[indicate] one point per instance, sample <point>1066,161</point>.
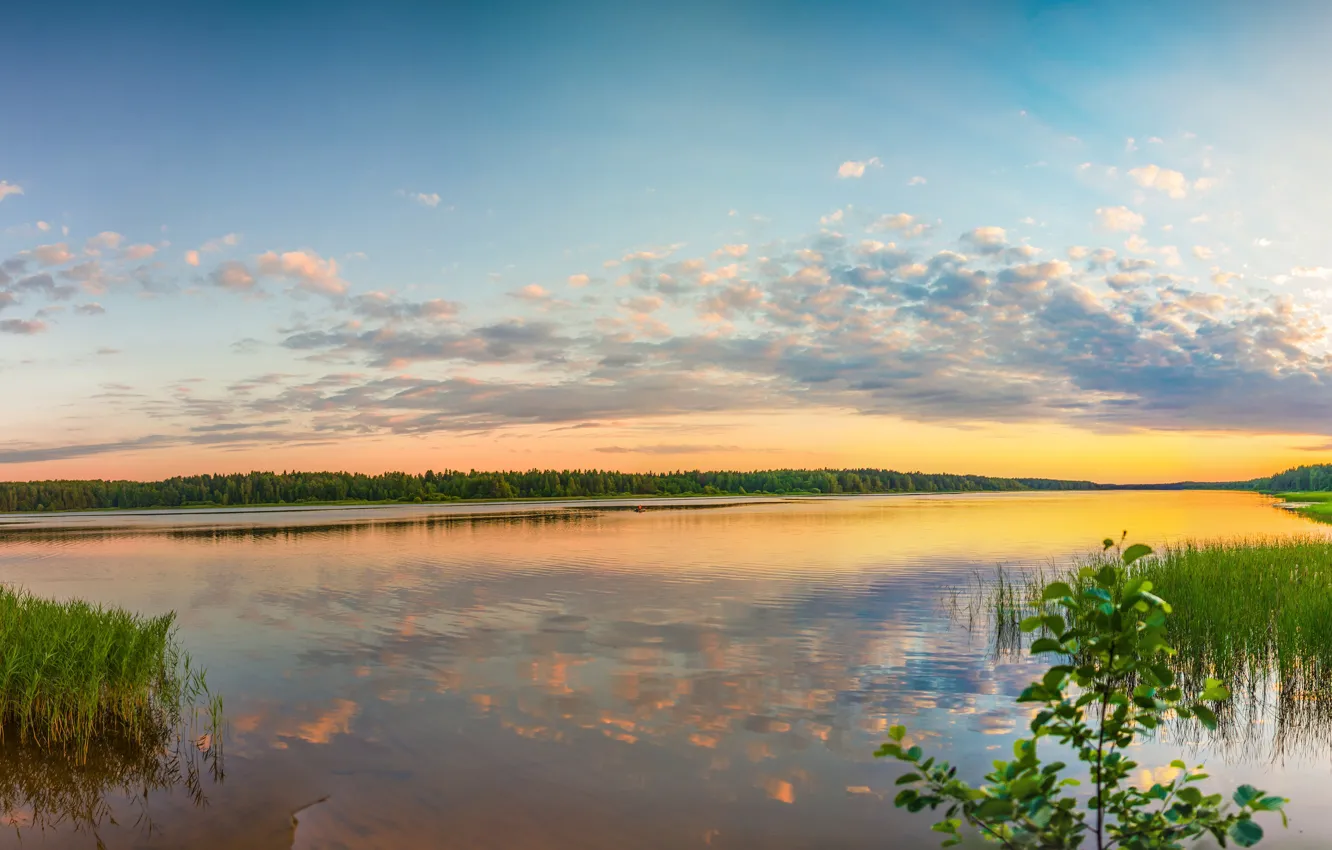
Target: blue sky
<point>284,186</point>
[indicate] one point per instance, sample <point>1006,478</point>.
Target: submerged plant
<point>1111,685</point>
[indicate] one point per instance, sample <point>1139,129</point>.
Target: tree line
<point>267,488</point>
<point>1316,476</point>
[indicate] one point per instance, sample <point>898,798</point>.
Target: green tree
<point>1110,686</point>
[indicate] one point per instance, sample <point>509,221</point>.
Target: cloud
<point>231,240</point>
<point>381,305</point>
<point>233,275</point>
<point>1319,272</point>
<point>107,240</point>
<point>986,240</point>
<point>1202,252</point>
<point>90,309</point>
<point>308,270</point>
<point>916,181</point>
<point>1173,183</point>
<point>900,222</point>
<point>7,299</point>
<point>140,252</point>
<point>431,199</point>
<point>192,257</point>
<point>21,327</point>
<point>53,255</point>
<point>7,189</point>
<point>579,280</point>
<point>854,168</point>
<point>1119,218</point>
<point>739,250</point>
<point>533,293</point>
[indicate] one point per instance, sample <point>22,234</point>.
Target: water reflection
<point>44,789</point>
<point>595,679</point>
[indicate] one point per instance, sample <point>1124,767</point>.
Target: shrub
<point>1110,686</point>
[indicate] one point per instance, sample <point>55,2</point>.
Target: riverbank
<point>1315,505</point>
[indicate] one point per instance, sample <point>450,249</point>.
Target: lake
<point>705,674</point>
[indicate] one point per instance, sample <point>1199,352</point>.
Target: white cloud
<point>916,181</point>
<point>1120,218</point>
<point>1136,244</point>
<point>1221,278</point>
<point>106,240</point>
<point>1262,242</point>
<point>986,240</point>
<point>1201,218</point>
<point>854,168</point>
<point>1130,145</point>
<point>1078,252</point>
<point>192,257</point>
<point>579,280</point>
<point>832,218</point>
<point>7,189</point>
<point>737,250</point>
<point>425,199</point>
<point>1155,140</point>
<point>311,272</point>
<point>1202,252</point>
<point>1202,184</point>
<point>901,222</point>
<point>43,226</point>
<point>1173,183</point>
<point>1312,271</point>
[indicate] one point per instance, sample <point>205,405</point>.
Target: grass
<point>1314,505</point>
<point>1255,613</point>
<point>72,673</point>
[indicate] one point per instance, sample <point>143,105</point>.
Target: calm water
<point>588,677</point>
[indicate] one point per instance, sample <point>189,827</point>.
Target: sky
<point>1066,239</point>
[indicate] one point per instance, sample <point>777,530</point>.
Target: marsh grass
<point>1255,613</point>
<point>72,673</point>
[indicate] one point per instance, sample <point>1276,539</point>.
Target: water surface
<point>583,676</point>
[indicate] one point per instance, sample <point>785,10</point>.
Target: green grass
<point>72,673</point>
<point>1254,613</point>
<point>1314,505</point>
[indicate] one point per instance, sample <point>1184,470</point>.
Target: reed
<point>72,673</point>
<point>1253,612</point>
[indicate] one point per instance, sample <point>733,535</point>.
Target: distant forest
<point>1310,477</point>
<point>266,488</point>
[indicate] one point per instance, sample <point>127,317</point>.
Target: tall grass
<point>1256,613</point>
<point>72,673</point>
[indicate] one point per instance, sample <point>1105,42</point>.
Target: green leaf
<point>1246,833</point>
<point>1106,544</point>
<point>1245,794</point>
<point>1046,645</point>
<point>907,778</point>
<point>905,797</point>
<point>1136,551</point>
<point>897,732</point>
<point>994,809</point>
<point>1056,590</point>
<point>1190,795</point>
<point>1205,716</point>
<point>1031,624</point>
<point>1271,804</point>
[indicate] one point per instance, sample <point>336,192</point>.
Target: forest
<point>273,488</point>
<point>1298,478</point>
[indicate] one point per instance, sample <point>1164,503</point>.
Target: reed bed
<point>72,673</point>
<point>1256,613</point>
